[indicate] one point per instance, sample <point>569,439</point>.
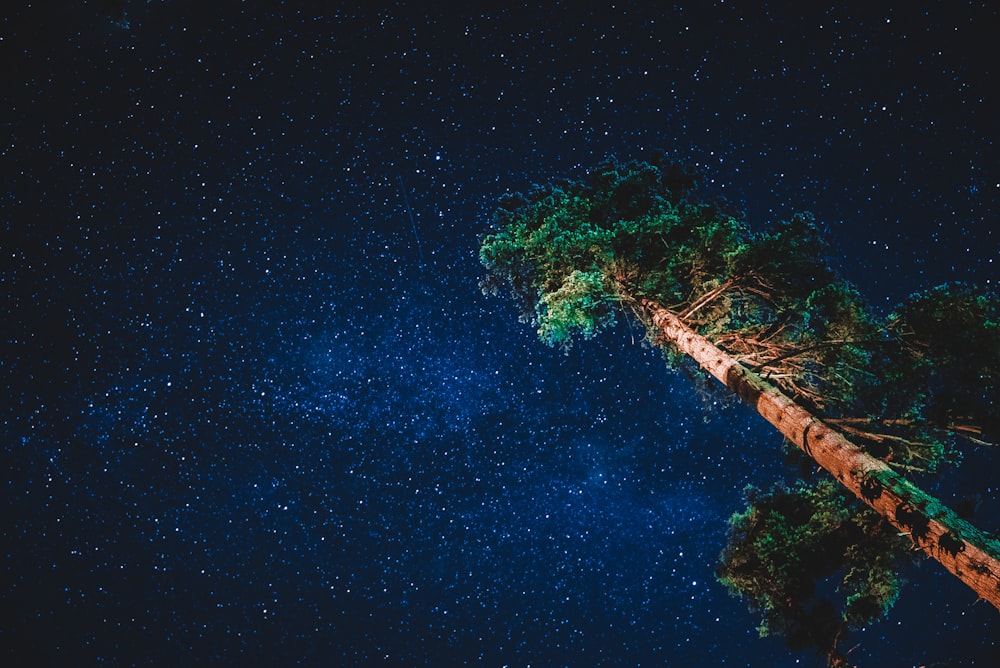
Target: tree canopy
<point>912,387</point>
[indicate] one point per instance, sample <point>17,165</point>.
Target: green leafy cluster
<point>629,224</point>
<point>581,303</point>
<point>813,561</point>
<point>950,351</point>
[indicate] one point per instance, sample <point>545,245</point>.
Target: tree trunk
<point>962,548</point>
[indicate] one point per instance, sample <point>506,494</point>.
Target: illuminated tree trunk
<point>962,548</point>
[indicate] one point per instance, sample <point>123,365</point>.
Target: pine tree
<point>873,400</point>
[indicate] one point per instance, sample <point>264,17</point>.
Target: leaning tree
<point>877,401</point>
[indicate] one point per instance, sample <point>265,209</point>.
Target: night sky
<point>256,410</point>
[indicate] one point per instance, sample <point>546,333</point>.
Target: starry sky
<point>256,410</point>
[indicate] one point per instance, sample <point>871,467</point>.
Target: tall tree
<point>875,401</point>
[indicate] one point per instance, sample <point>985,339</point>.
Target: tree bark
<point>961,548</point>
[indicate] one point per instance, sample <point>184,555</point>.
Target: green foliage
<point>790,258</point>
<point>929,374</point>
<point>836,312</point>
<point>813,561</point>
<point>839,327</point>
<point>581,303</point>
<point>952,336</point>
<point>563,249</point>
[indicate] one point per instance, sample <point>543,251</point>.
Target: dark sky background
<point>255,414</point>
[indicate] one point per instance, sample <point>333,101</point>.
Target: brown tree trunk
<point>962,548</point>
